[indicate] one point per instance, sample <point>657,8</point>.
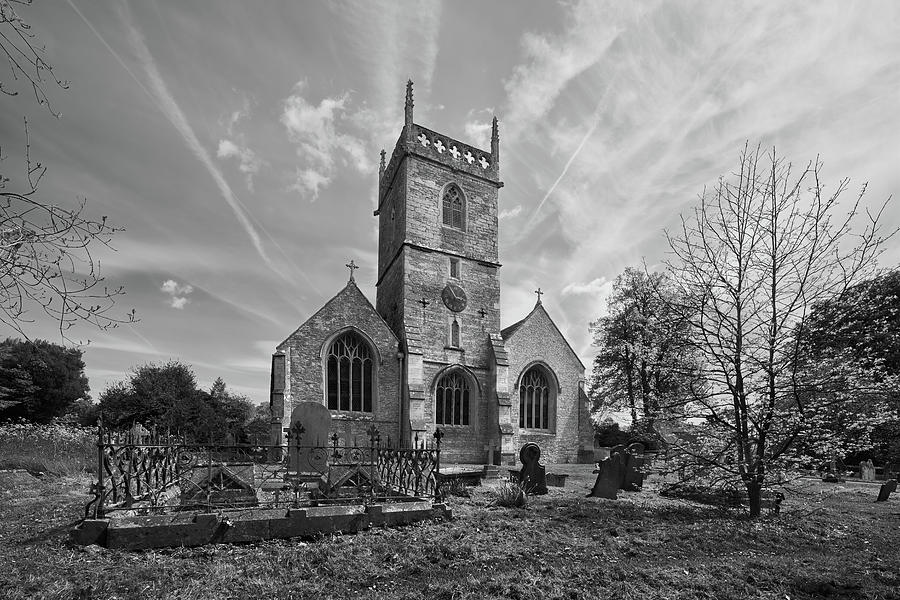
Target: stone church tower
<point>431,353</point>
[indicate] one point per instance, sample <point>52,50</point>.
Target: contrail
<point>163,99</point>
<point>565,170</point>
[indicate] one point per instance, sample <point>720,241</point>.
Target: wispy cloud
<point>234,145</point>
<point>167,104</point>
<point>177,292</point>
<point>509,213</point>
<point>319,131</point>
<point>393,41</point>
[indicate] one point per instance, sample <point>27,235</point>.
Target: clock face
<point>454,297</point>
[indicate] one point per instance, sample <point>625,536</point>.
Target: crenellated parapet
<point>437,147</point>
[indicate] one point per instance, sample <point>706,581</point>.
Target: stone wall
<point>537,339</point>
<point>304,350</point>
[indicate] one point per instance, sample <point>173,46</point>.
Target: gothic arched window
<point>453,207</point>
<point>534,399</point>
<point>348,374</point>
<point>451,401</point>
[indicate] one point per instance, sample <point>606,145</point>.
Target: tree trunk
<point>754,493</point>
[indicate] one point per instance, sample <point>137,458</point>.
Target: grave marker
<point>310,424</point>
<point>533,476</point>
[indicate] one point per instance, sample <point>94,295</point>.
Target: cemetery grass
<point>830,541</point>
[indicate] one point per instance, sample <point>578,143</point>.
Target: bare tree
<point>760,250</point>
<point>46,259</point>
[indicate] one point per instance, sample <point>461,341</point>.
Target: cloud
<point>249,163</point>
<point>600,286</point>
<point>392,41</point>
<point>178,293</point>
<point>551,61</point>
<point>166,103</point>
<point>234,144</point>
<point>478,130</point>
<point>509,213</point>
<point>319,132</point>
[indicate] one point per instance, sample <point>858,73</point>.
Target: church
<point>430,353</point>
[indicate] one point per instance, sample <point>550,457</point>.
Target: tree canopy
<point>643,362</point>
<point>166,395</point>
<point>39,380</point>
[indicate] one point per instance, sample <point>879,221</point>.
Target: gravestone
<point>308,441</point>
<point>633,476</point>
<point>886,488</point>
<point>533,476</point>
<point>610,475</point>
<point>867,470</point>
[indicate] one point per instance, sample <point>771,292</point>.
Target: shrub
<point>458,488</point>
<point>510,495</point>
<point>58,448</point>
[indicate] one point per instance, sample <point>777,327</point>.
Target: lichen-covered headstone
<point>867,470</point>
<point>886,488</point>
<point>308,439</point>
<point>610,475</point>
<point>533,476</point>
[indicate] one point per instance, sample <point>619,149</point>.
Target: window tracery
<point>453,207</point>
<point>534,399</point>
<point>349,374</point>
<point>452,399</point>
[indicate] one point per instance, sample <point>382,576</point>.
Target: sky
<point>238,144</point>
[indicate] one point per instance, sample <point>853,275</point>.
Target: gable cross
<point>539,294</point>
<point>352,266</point>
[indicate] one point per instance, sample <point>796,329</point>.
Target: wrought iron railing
<point>154,471</point>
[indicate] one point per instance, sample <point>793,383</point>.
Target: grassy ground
<point>830,540</point>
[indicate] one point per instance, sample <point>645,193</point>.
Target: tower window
<point>534,400</point>
<point>453,207</point>
<point>348,374</point>
<point>454,333</point>
<point>454,268</point>
<point>451,402</point>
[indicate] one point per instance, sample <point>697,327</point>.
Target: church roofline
<point>350,283</point>
<point>509,331</point>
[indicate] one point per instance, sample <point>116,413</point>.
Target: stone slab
<point>159,531</point>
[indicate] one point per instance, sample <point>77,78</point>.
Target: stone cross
<point>539,294</point>
<point>424,304</point>
<point>352,266</point>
